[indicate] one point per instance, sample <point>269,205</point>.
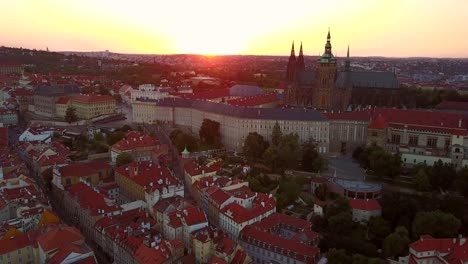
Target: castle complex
<point>328,89</point>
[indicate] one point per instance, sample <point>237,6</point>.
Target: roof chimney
<point>459,122</point>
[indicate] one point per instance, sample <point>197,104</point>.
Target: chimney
<point>460,122</point>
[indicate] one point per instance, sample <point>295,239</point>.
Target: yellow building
<point>87,106</point>
<point>91,105</point>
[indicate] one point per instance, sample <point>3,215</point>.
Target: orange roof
<point>48,218</point>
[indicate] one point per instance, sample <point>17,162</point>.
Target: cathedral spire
<point>293,53</point>
<point>348,61</point>
<point>291,70</point>
<point>300,60</point>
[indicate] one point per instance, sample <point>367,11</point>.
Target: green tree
<point>98,136</point>
<point>289,151</point>
<point>396,244</point>
<point>340,205</point>
<point>338,256</point>
<point>114,137</point>
<point>321,192</point>
<point>311,159</point>
<point>183,140</point>
<point>441,175</point>
<point>276,134</point>
<point>461,182</point>
<point>421,180</point>
<point>341,223</point>
<point>70,115</point>
<point>290,189</point>
<point>123,158</point>
<point>126,128</point>
<point>254,146</point>
<point>210,133</point>
<point>435,223</point>
<point>378,229</point>
<point>272,157</point>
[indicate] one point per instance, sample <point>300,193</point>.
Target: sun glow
<point>371,27</point>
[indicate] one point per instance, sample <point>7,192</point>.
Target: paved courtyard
<point>345,167</point>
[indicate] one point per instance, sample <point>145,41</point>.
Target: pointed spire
<point>328,36</point>
<point>291,70</point>
<point>348,61</point>
<point>300,61</point>
<point>293,53</point>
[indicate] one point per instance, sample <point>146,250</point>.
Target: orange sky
<point>398,28</point>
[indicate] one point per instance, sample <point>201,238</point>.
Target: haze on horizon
<point>398,28</point>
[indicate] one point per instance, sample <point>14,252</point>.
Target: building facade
<point>237,122</point>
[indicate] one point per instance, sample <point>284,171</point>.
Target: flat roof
<point>358,186</point>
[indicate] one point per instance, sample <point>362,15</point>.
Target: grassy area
<point>399,181</point>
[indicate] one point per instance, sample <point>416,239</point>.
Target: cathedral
<point>328,89</point>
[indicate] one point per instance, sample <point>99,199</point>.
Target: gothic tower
<point>300,66</point>
<point>326,74</point>
<point>291,70</point>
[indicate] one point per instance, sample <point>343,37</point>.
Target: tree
<point>311,159</point>
<point>210,133</point>
<point>183,140</point>
<point>70,115</point>
<point>338,256</point>
<point>289,151</point>
<point>123,158</point>
<point>290,189</point>
<point>340,205</point>
<point>378,229</point>
<point>421,180</point>
<point>396,244</point>
<point>126,128</point>
<point>321,192</point>
<point>276,134</point>
<point>341,223</point>
<point>254,146</point>
<point>441,175</point>
<point>114,137</point>
<point>98,136</point>
<point>272,157</point>
<point>436,223</point>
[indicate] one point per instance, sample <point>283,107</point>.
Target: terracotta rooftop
<point>365,204</point>
<point>135,140</point>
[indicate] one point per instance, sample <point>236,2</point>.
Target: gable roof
<point>365,204</point>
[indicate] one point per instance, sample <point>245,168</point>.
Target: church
<point>327,89</point>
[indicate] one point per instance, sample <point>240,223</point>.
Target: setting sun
<point>237,27</point>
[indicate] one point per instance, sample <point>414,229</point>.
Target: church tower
<point>326,78</point>
<point>291,70</point>
<point>300,66</point>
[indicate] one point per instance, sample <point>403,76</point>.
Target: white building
<point>364,209</point>
<point>148,92</point>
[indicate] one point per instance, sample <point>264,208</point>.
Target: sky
<point>391,28</point>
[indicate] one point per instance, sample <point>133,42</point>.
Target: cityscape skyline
<point>371,28</point>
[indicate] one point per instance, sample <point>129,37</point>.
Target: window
<point>447,143</point>
<point>396,139</point>
<point>374,134</point>
<point>432,142</point>
<point>413,140</point>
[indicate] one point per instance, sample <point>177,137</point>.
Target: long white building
<point>235,122</point>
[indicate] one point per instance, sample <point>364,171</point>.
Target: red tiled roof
<point>148,175</point>
<point>379,123</point>
<point>220,196</point>
<point>239,214</point>
<point>452,250</point>
<point>83,169</point>
<point>14,243</point>
<point>452,105</point>
<point>365,204</point>
<point>90,199</point>
<point>135,140</point>
<point>57,237</point>
<point>279,244</point>
<point>194,169</point>
<point>92,98</point>
<point>63,100</point>
<point>153,255</point>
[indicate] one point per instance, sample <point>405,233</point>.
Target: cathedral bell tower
<point>326,77</point>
